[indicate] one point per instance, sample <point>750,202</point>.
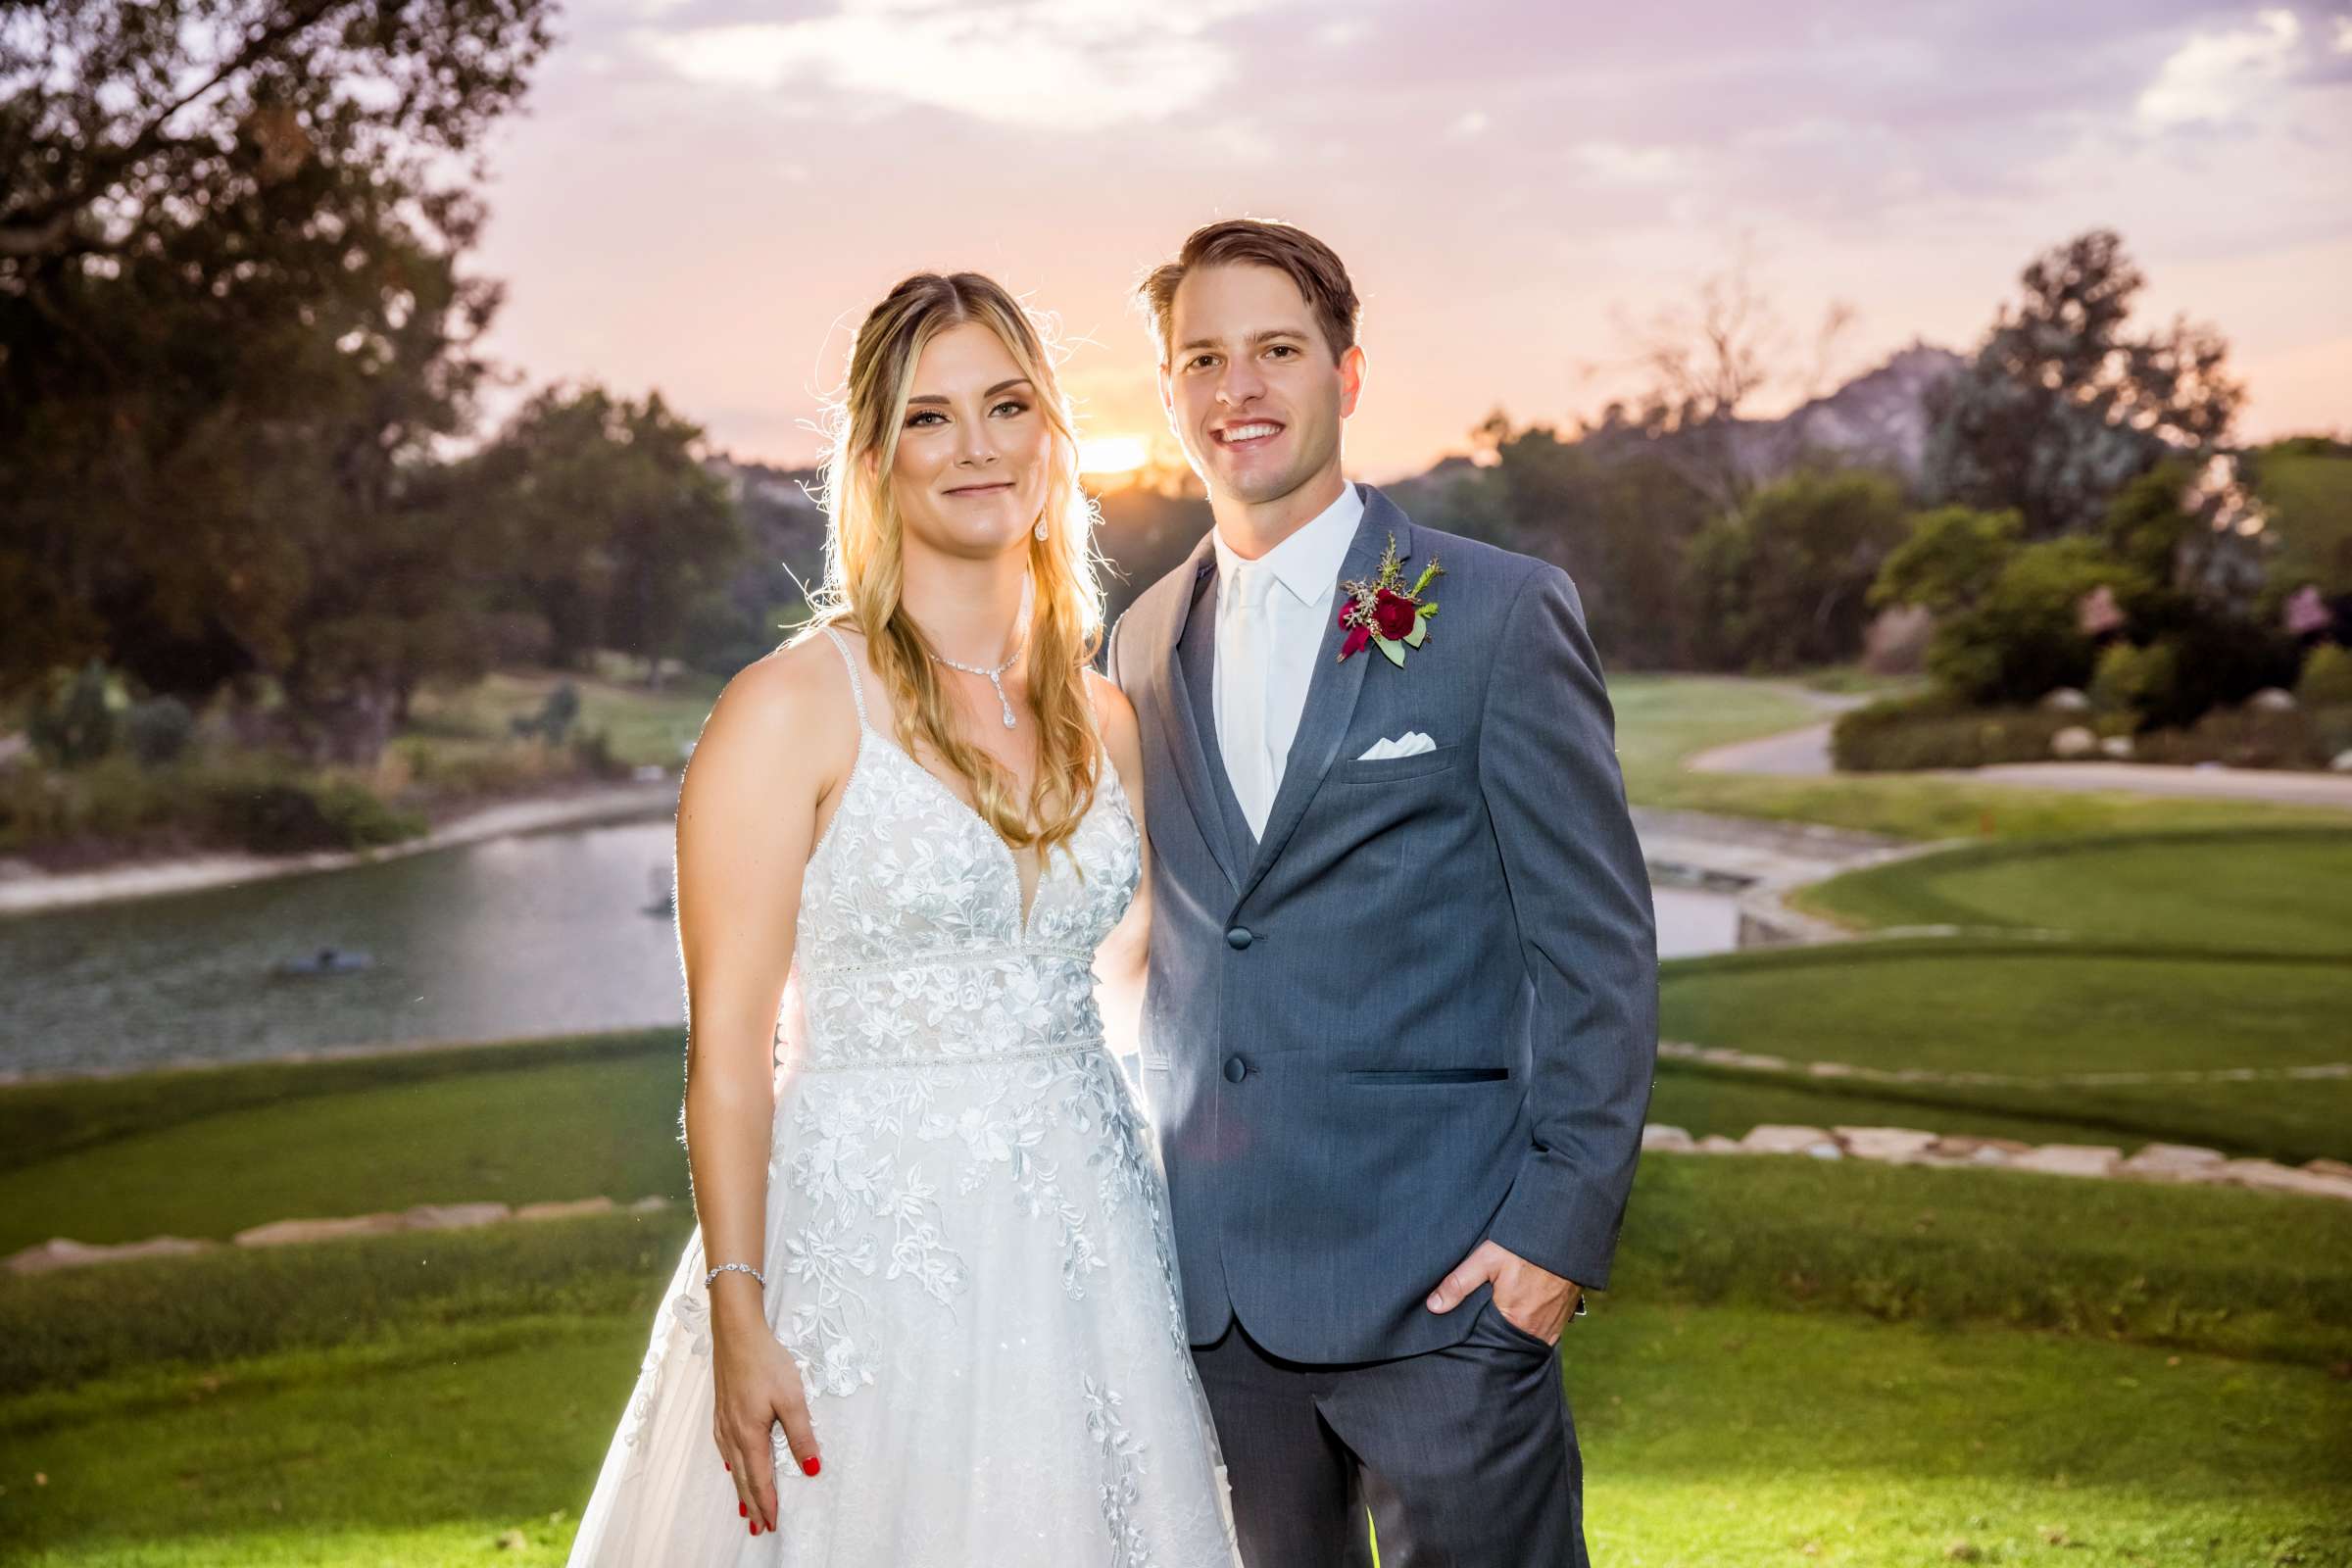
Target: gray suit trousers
<point>1463,1458</point>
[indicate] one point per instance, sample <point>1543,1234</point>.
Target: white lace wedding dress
<point>968,1249</point>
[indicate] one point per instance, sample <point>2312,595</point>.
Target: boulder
<point>2118,747</point>
<point>566,1211</point>
<point>456,1216</point>
<point>2065,699</point>
<point>1969,1147</point>
<point>2341,763</point>
<point>2074,741</point>
<point>1899,1144</point>
<point>2271,1177</point>
<point>1717,1143</point>
<point>1774,1137</point>
<point>1674,1140</point>
<point>61,1252</point>
<point>2069,1160</point>
<point>2327,1167</point>
<point>651,1204</point>
<point>2174,1163</point>
<point>286,1232</point>
<point>2271,700</point>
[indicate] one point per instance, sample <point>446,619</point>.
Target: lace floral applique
<point>1122,1475</point>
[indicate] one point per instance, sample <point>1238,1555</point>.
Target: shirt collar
<point>1307,562</point>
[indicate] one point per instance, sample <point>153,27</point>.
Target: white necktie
<point>1248,762</point>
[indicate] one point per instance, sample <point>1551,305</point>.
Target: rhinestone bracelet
<point>740,1268</point>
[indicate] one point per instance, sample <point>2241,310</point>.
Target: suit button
<point>1238,937</point>
<point>1236,1069</point>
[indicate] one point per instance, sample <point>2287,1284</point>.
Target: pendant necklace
<point>993,676</point>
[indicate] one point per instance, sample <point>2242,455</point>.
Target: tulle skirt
<point>971,1262</point>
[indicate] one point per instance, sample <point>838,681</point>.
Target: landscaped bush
<point>2326,679</point>
<point>286,817</point>
<point>2241,737</point>
<point>75,722</point>
<point>158,729</point>
<point>1937,730</point>
<point>2131,680</point>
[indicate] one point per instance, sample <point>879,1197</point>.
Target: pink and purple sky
<point>706,195</point>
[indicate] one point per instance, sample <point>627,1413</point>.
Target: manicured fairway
<point>1711,1436</point>
<point>2264,891</point>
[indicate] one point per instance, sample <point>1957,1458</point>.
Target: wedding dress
<point>969,1248</point>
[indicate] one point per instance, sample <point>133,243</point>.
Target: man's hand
<point>1531,1298</point>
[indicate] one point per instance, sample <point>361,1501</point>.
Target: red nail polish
<point>755,1527</point>
<point>810,1465</point>
<point>730,1464</point>
<point>742,1511</point>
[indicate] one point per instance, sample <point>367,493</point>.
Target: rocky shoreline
<point>25,890</point>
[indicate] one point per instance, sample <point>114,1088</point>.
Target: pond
<point>544,933</point>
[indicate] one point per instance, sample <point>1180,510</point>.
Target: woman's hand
<point>758,1384</point>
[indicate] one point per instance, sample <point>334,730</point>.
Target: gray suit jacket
<point>1422,1011</point>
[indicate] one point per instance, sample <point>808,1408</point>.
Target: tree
<point>233,329</point>
<point>2063,405</point>
<point>1786,582</point>
<point>610,525</point>
<point>1704,364</point>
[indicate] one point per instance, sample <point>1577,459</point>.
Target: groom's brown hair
<point>1314,267</point>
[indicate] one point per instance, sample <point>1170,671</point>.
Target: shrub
<point>158,729</point>
<point>2239,737</point>
<point>2134,680</point>
<point>554,717</point>
<point>1938,730</point>
<point>277,816</point>
<point>592,748</point>
<point>2327,678</point>
<point>76,724</point>
<point>2020,638</point>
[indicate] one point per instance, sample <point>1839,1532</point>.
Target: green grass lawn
<point>1954,1007</point>
<point>1715,1434</point>
<point>643,726</point>
<point>1662,719</point>
<point>2285,890</point>
<point>1870,1361</point>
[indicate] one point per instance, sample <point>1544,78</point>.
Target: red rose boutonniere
<point>1386,614</point>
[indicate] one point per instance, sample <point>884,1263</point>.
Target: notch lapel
<point>1331,689</point>
<point>1178,717</point>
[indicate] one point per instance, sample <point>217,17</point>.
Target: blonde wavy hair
<point>863,561</point>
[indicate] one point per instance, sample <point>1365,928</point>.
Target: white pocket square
<point>1413,743</point>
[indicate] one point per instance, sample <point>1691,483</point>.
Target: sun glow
<point>1112,453</point>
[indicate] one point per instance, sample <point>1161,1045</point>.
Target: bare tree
<point>1707,360</point>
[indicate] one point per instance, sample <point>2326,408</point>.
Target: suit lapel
<point>1331,689</point>
<point>1182,719</point>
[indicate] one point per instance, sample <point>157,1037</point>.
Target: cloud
<point>1044,63</point>
<point>2217,75</point>
<point>1620,163</point>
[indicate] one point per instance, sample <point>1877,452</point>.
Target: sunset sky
<point>706,195</point>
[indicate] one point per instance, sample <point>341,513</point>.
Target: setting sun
<point>1112,453</point>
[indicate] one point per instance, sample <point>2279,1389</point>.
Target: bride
<point>930,1314</point>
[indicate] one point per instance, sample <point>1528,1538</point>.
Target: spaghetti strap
<point>857,687</point>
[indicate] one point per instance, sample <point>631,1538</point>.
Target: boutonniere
<point>1386,614</point>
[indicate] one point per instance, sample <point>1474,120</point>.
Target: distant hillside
<point>1878,419</point>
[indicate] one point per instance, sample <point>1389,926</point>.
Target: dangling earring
<point>1041,528</point>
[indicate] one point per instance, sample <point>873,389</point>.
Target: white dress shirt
<point>1271,612</point>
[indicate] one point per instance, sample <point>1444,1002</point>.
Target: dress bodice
<point>912,945</point>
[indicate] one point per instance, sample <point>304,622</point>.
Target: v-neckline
<point>1024,904</point>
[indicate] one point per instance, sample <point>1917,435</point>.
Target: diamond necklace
<point>994,680</point>
<point>1003,700</point>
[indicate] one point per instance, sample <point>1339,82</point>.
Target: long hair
<point>865,563</point>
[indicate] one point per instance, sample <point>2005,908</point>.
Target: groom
<point>1402,1001</point>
